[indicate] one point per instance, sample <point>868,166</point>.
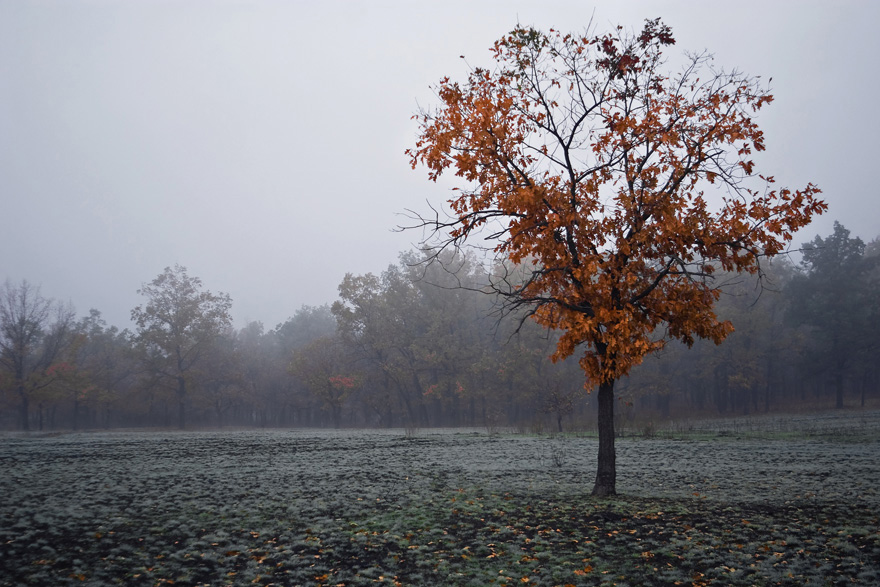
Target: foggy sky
<point>261,144</point>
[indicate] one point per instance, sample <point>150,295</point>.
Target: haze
<point>261,144</point>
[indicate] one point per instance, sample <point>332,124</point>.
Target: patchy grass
<point>439,508</point>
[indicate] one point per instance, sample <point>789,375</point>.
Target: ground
<point>758,501</point>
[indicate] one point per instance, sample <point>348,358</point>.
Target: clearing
<point>760,501</point>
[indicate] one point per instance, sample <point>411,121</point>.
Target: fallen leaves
<point>548,536</point>
<point>584,571</point>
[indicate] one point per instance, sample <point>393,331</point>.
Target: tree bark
<point>336,410</point>
<point>24,410</point>
<point>838,389</point>
<point>181,402</point>
<point>606,473</point>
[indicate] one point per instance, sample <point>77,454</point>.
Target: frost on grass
<point>442,508</point>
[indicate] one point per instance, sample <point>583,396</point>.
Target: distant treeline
<point>422,345</point>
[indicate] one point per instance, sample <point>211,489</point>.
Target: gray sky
<point>261,144</point>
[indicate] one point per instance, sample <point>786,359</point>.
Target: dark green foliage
<point>835,296</point>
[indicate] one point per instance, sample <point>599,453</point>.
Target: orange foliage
<point>587,165</point>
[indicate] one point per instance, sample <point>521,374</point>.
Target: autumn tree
<point>741,366</point>
<point>586,164</point>
<point>34,333</point>
<point>380,321</point>
<point>101,364</point>
<point>453,335</point>
<point>322,367</point>
<point>411,331</point>
<point>176,327</point>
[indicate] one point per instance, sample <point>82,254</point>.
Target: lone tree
<point>585,165</point>
<point>176,328</point>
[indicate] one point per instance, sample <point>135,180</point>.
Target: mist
<point>261,145</point>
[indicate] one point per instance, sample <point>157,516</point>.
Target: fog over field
<point>261,144</point>
<point>201,202</point>
<point>224,361</point>
<point>736,502</point>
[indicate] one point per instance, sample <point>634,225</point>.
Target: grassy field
<point>761,501</point>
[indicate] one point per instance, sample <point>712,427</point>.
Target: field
<point>772,501</point>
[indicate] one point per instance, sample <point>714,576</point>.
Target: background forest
<point>420,345</point>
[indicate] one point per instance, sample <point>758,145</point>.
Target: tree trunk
<point>606,473</point>
<point>407,404</point>
<point>664,402</point>
<point>181,406</point>
<point>838,389</point>
<point>721,396</point>
<point>24,411</point>
<point>337,415</point>
<point>839,373</point>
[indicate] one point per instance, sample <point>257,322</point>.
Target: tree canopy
<point>837,301</point>
<point>585,162</point>
<point>425,352</point>
<point>34,334</point>
<point>177,325</point>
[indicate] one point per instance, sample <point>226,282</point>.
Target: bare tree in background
<point>34,332</point>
